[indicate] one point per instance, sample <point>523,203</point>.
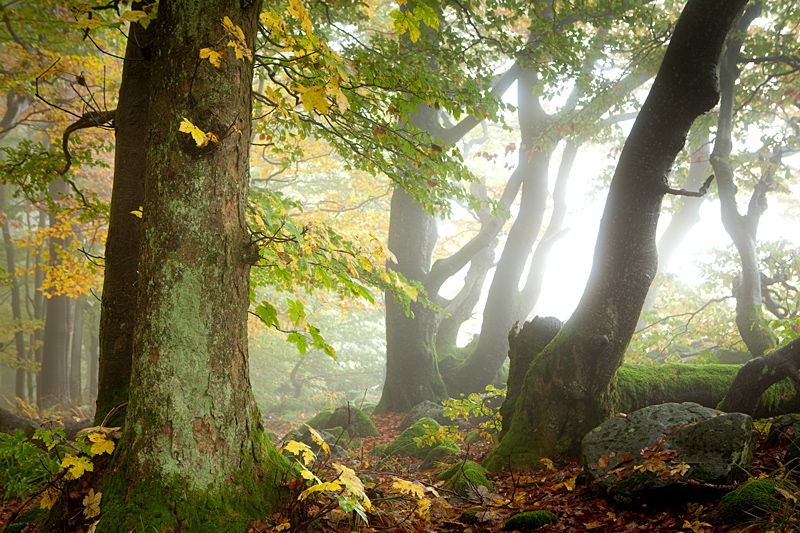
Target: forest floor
<point>419,502</point>
<point>553,489</point>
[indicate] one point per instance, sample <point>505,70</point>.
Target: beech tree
<point>194,455</point>
<point>566,390</point>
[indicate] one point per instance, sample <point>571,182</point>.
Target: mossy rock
<point>404,444</point>
<point>379,450</point>
<point>340,434</point>
<point>472,437</point>
<point>462,478</point>
<point>530,520</point>
<point>439,454</point>
<point>755,498</point>
<point>793,454</point>
<point>356,421</point>
<point>320,420</point>
<point>291,405</point>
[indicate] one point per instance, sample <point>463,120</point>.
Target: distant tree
<point>566,390</point>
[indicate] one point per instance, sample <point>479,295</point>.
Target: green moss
<point>404,444</point>
<point>153,503</point>
<point>439,454</point>
<point>379,450</point>
<point>752,499</point>
<point>320,420</point>
<point>464,477</point>
<point>530,520</point>
<point>639,386</point>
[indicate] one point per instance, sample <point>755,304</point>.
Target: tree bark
<point>118,308</point>
<point>412,373</point>
<point>54,379</point>
<point>76,353</point>
<point>684,219</point>
<point>568,389</point>
<point>502,302</point>
<point>741,228</point>
<point>16,300</point>
<point>194,455</point>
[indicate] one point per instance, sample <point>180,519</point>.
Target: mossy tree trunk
<point>194,455</point>
<point>118,307</point>
<point>568,389</point>
<point>742,228</point>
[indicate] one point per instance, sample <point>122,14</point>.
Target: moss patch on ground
<point>463,478</point>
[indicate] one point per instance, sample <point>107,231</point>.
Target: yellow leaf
<point>548,464</point>
<point>319,440</point>
<point>212,55</point>
<point>87,24</point>
<point>91,504</point>
<point>200,137</point>
<point>237,41</point>
<point>281,527</point>
<point>134,15</point>
<point>137,212</point>
<point>314,100</point>
<point>77,466</point>
<point>325,485</point>
<point>300,448</point>
<point>101,444</point>
<point>298,11</point>
<point>49,498</point>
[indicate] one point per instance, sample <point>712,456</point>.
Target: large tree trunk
<point>685,218</point>
<point>16,300</point>
<point>741,228</point>
<point>194,455</point>
<point>412,374</point>
<point>124,229</point>
<point>76,353</point>
<point>502,303</point>
<point>568,389</point>
<point>54,381</point>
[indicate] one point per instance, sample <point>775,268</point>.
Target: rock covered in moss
<point>354,420</point>
<point>405,444</point>
<point>320,420</point>
<point>428,409</point>
<point>444,453</point>
<point>711,446</point>
<point>530,520</point>
<point>758,497</point>
<point>463,478</point>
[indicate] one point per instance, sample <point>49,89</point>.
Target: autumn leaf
<point>316,437</point>
<point>298,11</point>
<point>200,137</point>
<point>314,99</point>
<point>49,498</point>
<point>101,444</point>
<point>137,212</point>
<point>212,55</point>
<point>77,466</point>
<point>237,40</point>
<point>300,448</point>
<point>91,503</point>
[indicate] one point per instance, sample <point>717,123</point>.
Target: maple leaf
<point>200,137</point>
<point>49,498</point>
<point>237,40</point>
<point>101,444</point>
<point>77,465</point>
<point>300,448</point>
<point>91,503</point>
<point>314,99</point>
<point>316,437</point>
<point>212,55</point>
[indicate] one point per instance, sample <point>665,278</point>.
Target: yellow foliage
<point>101,444</point>
<point>91,503</point>
<point>237,42</point>
<point>200,137</point>
<point>76,465</point>
<point>49,498</point>
<point>300,448</point>
<point>212,55</point>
